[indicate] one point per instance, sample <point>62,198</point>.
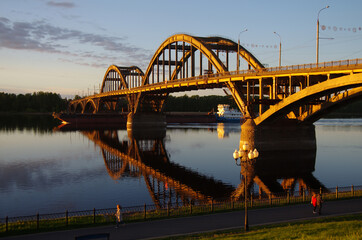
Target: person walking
<point>319,202</point>
<point>314,202</point>
<point>119,217</point>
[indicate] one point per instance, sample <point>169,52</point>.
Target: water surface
<point>46,171</point>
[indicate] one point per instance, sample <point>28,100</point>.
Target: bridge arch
<point>338,101</point>
<point>175,58</point>
<point>115,166</point>
<point>77,106</point>
<point>90,106</point>
<point>118,78</point>
<point>316,91</point>
<point>207,46</point>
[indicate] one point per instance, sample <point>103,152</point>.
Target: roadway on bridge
<point>195,224</point>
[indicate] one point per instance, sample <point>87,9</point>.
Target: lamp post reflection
<point>247,156</point>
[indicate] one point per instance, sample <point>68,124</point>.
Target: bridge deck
<point>216,80</point>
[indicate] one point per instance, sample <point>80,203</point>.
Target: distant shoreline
<point>26,113</point>
<point>328,116</point>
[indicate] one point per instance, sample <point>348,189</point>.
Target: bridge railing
<point>50,222</point>
<point>341,63</point>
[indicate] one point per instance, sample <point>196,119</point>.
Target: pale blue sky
<point>65,46</point>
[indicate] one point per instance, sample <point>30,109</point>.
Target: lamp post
<point>246,156</point>
<point>238,61</point>
<point>317,48</point>
<point>280,49</point>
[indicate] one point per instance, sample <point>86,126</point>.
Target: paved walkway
<point>219,221</point>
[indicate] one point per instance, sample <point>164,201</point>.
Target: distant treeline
<point>35,102</point>
<point>351,110</point>
<point>196,103</point>
<point>52,102</point>
<point>207,103</point>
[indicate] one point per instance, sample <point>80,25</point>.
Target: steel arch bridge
<point>302,93</point>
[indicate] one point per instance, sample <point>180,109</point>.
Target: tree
<point>36,102</point>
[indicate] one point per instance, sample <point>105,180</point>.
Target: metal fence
<point>75,219</point>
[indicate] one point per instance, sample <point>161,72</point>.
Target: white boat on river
<point>227,114</point>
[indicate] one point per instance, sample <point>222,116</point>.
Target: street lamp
<point>280,48</point>
<point>238,61</point>
<point>317,50</point>
<point>245,155</point>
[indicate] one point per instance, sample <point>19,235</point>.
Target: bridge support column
<point>274,91</point>
<point>248,129</point>
<point>261,107</point>
<point>146,120</point>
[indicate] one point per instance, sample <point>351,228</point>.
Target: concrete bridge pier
<point>248,130</point>
<point>146,121</point>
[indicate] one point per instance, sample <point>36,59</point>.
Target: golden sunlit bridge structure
<point>298,93</point>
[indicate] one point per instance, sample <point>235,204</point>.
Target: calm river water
<point>45,170</point>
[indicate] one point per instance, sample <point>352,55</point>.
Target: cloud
<point>19,36</point>
<point>43,37</point>
<point>61,4</point>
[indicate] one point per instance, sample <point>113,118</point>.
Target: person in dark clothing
<point>319,203</point>
<point>119,218</point>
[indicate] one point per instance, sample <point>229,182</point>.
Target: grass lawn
<point>345,227</point>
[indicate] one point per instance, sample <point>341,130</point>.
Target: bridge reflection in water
<point>144,155</point>
<point>286,163</point>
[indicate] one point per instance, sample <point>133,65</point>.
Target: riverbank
<point>121,118</point>
<point>174,227</point>
<point>99,217</point>
<point>350,115</point>
<point>26,113</point>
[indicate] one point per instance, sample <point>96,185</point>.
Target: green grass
<point>344,227</point>
<point>26,227</point>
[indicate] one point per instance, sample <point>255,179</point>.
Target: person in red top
<point>314,202</point>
